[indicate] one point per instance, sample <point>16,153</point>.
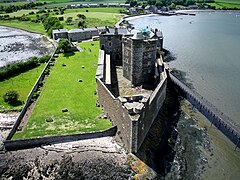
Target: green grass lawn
<point>21,12</point>
<point>22,83</point>
<point>13,3</point>
<point>219,4</point>
<point>103,17</point>
<point>62,90</point>
<point>25,25</point>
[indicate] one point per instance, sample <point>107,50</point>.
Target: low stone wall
<point>11,145</point>
<point>216,117</point>
<point>28,101</point>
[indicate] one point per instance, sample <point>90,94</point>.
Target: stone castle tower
<point>139,56</point>
<point>136,51</point>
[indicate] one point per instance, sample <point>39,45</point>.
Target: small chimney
<point>116,31</point>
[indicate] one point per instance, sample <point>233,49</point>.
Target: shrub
<point>44,59</point>
<point>14,69</point>
<point>11,97</point>
<point>61,18</point>
<point>64,45</point>
<point>31,13</point>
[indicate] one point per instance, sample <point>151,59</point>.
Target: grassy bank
<point>22,83</point>
<point>63,90</point>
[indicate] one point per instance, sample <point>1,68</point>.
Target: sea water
<point>207,48</point>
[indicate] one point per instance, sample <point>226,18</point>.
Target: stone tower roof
<point>138,35</point>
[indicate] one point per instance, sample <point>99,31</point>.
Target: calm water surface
<point>207,48</point>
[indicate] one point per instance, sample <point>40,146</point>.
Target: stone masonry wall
<point>148,60</point>
<point>138,60</point>
<point>112,44</point>
<point>118,115</point>
<point>127,60</point>
<point>152,107</point>
<point>137,54</point>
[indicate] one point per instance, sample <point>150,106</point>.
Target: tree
<point>81,16</point>
<point>49,22</point>
<point>11,97</point>
<point>81,24</point>
<point>133,3</point>
<point>57,25</point>
<point>64,45</point>
<point>69,20</point>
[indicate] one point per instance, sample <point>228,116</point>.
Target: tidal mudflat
<point>19,45</point>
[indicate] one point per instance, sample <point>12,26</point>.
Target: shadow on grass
<point>68,54</point>
<point>17,103</point>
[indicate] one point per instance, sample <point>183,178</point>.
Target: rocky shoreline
<point>100,158</point>
<point>7,120</point>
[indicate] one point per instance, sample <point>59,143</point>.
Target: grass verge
<point>63,90</point>
<point>21,83</point>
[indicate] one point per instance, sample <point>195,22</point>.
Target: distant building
<point>68,6</point>
<point>151,9</point>
<point>125,5</point>
<point>60,33</point>
<point>192,6</point>
<point>77,35</point>
<point>113,4</point>
<point>132,10</point>
<point>93,5</point>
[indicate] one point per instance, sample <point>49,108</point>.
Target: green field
<point>63,90</point>
<point>25,25</point>
<point>22,83</point>
<point>95,16</point>
<point>219,4</point>
<point>21,12</point>
<point>13,3</point>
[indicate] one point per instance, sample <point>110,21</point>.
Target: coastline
<point>222,159</point>
<point>139,16</point>
<point>205,10</point>
<point>21,29</point>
